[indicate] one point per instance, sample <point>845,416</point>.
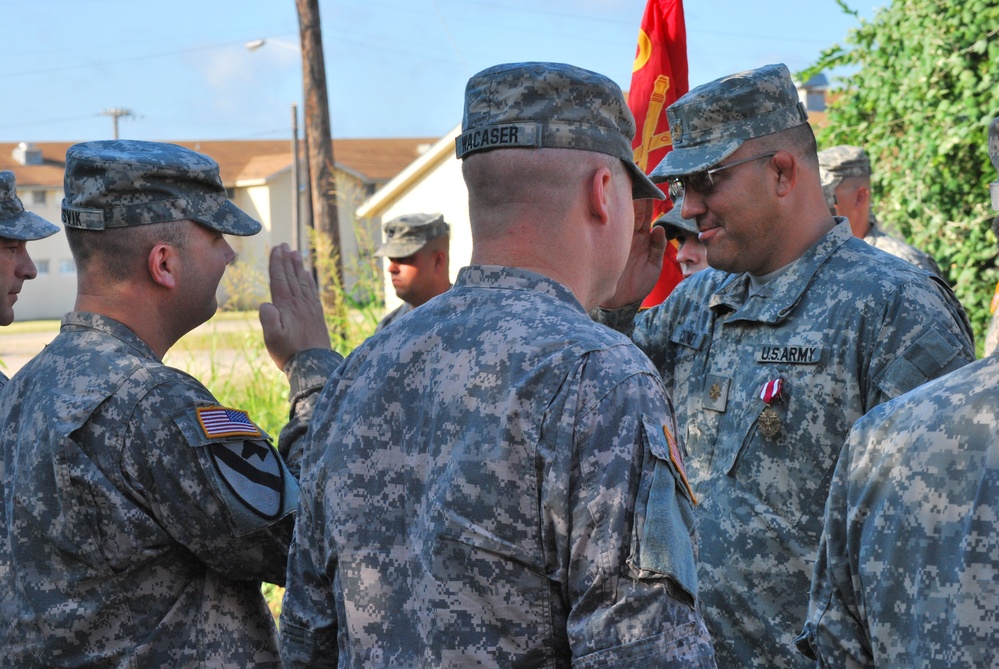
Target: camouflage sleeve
<point>833,633</point>
<point>622,538</point>
<point>224,493</point>
<point>307,373</point>
<point>308,613</point>
<point>923,334</point>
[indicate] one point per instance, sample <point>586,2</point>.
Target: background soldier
<point>139,515</point>
<point>798,330</point>
<point>17,227</point>
<point>845,172</point>
<point>907,570</point>
<point>690,252</point>
<point>416,246</point>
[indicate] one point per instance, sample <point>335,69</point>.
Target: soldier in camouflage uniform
<point>139,516</point>
<point>417,249</point>
<point>499,483</point>
<point>845,172</point>
<point>908,567</point>
<point>797,330</point>
<point>17,227</point>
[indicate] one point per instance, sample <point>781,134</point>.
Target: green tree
<point>922,89</point>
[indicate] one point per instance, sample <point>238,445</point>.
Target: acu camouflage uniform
<point>845,327</point>
<point>498,482</point>
<point>18,224</point>
<point>130,536</point>
<point>495,487</point>
<point>908,567</point>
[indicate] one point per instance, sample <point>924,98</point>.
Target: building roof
<point>374,160</point>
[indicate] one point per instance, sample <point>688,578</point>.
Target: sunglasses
<point>702,181</point>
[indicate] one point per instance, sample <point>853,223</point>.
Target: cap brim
<point>231,220</point>
<point>680,162</point>
<point>398,250</point>
<point>642,187</point>
<point>27,226</point>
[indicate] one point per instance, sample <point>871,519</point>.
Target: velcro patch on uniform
<point>253,473</point>
<point>677,459</point>
<point>795,355</point>
<point>222,422</point>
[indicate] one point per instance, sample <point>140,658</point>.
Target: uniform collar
<point>777,299</point>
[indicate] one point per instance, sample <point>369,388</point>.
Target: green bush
<point>922,87</point>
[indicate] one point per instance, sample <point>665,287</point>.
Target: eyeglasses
<point>702,181</point>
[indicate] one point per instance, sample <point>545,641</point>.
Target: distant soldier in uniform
<point>845,172</point>
<point>908,569</point>
<point>416,246</point>
<point>17,227</point>
<point>139,515</point>
<point>498,483</point>
<point>797,330</point>
<point>690,252</point>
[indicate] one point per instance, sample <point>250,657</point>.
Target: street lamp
<point>296,189</point>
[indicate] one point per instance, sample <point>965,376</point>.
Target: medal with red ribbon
<point>769,421</point>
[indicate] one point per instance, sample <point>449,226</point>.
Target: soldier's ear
<point>163,264</point>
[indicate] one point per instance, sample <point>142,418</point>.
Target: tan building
<point>258,176</point>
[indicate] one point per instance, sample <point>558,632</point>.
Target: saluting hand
<point>293,321</point>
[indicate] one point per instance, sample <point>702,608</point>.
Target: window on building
<point>67,267</point>
<point>39,197</point>
<point>42,266</point>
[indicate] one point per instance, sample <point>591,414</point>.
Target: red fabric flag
<point>658,78</point>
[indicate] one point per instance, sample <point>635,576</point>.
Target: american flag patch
<point>677,458</point>
<point>223,422</point>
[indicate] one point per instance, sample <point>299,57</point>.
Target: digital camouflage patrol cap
<point>405,235</point>
<point>533,105</point>
<point>994,157</point>
<point>121,183</point>
<point>712,121</point>
<point>673,222</point>
<point>15,222</point>
<point>841,162</point>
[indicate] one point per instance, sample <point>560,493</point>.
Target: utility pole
<point>115,113</point>
<point>318,133</point>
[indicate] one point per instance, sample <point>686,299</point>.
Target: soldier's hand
<point>648,247</point>
<point>293,320</point>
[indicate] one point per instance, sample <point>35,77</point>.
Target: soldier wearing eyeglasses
<point>797,330</point>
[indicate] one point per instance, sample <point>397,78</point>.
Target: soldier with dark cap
<point>416,246</point>
<point>690,253</point>
<point>845,172</point>
<point>908,567</point>
<point>139,515</point>
<point>17,227</point>
<point>498,482</point>
<point>797,330</point>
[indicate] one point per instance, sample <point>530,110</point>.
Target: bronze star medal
<point>769,421</point>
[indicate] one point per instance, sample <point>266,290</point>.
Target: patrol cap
<point>713,120</point>
<point>122,183</point>
<point>533,105</point>
<point>994,157</point>
<point>405,235</point>
<point>15,222</point>
<point>673,222</point>
<point>841,162</point>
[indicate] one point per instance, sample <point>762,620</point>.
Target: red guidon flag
<point>658,78</point>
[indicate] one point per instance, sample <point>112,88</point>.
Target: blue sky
<point>395,68</point>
